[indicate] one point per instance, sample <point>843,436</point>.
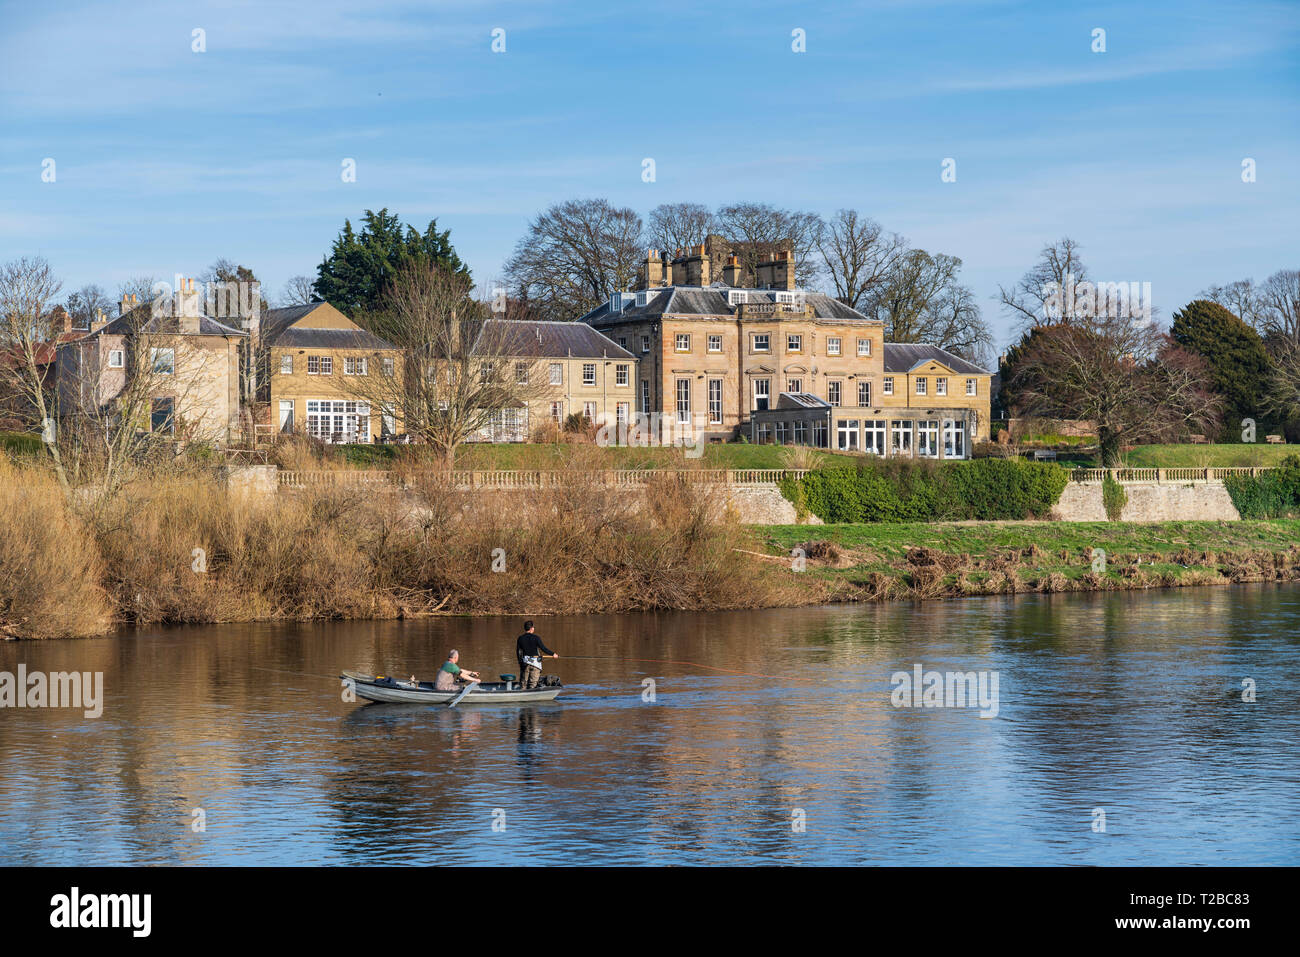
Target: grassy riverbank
<point>883,561</point>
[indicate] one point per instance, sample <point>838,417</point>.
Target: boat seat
<point>507,677</point>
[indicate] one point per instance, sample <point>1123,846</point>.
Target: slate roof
<point>711,301</point>
<point>547,340</point>
<point>278,329</point>
<point>903,357</point>
<point>308,338</point>
<point>141,320</point>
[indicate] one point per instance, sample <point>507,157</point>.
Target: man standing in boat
<point>529,651</point>
<point>450,674</point>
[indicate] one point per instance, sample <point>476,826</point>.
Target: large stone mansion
<point>779,364</point>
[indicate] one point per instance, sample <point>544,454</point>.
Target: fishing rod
<point>664,661</point>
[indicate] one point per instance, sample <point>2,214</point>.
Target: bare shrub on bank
<point>49,568</point>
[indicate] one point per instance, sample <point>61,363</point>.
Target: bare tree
<point>1029,301</point>
<point>674,226</point>
<point>754,229</point>
<point>858,255</point>
<point>86,304</point>
<point>1241,298</point>
<point>298,291</point>
<point>1131,380</point>
<point>143,288</point>
<point>574,256</point>
<point>27,343</point>
<point>952,320</point>
<point>1280,306</point>
<point>919,299</point>
<point>459,371</point>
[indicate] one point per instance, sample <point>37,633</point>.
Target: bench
<point>1044,455</point>
<point>1275,440</point>
<point>1200,440</point>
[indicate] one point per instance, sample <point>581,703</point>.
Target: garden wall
<point>1149,502</point>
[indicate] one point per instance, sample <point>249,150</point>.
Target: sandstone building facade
<point>716,356</point>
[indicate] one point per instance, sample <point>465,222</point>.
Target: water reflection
<point>1127,702</point>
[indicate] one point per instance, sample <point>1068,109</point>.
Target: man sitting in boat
<point>450,675</point>
<point>529,651</point>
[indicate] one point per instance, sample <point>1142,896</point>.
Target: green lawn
<point>891,541</point>
<point>20,443</point>
<point>1189,456</point>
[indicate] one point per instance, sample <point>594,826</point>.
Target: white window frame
<point>682,342</point>
<point>765,338</point>
<point>557,373</point>
<point>970,387</point>
<point>794,385</point>
<point>846,434</point>
<point>793,342</point>
<point>621,375</point>
<point>864,385</point>
<point>645,343</point>
<point>941,385</point>
<point>354,365</point>
<point>864,347</point>
<point>121,359</point>
<point>715,343</point>
<point>887,385</point>
<point>874,436</point>
<point>764,393</point>
<point>286,364</point>
<point>589,373</point>
<point>833,345</point>
<point>835,393</point>
<point>921,385</point>
<point>715,401</point>
<point>159,353</point>
<point>900,437</point>
<point>682,391</point>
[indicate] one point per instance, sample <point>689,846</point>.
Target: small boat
<point>401,691</point>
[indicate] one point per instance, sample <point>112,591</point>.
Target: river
<point>770,737</point>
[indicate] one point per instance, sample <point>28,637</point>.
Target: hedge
<point>907,490</point>
<point>1273,494</point>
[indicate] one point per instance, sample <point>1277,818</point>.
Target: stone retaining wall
<point>1149,502</point>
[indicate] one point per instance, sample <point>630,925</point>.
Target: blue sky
<point>167,159</point>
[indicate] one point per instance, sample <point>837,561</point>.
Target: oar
<point>456,700</point>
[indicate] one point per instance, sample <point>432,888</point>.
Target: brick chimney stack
<point>185,307</point>
<point>653,276</point>
<point>127,304</point>
<point>99,322</point>
<point>776,271</point>
<point>693,268</point>
<point>732,272</point>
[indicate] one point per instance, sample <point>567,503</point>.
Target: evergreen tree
<point>1238,362</point>
<point>353,277</point>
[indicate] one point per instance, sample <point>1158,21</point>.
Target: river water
<point>771,737</point>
